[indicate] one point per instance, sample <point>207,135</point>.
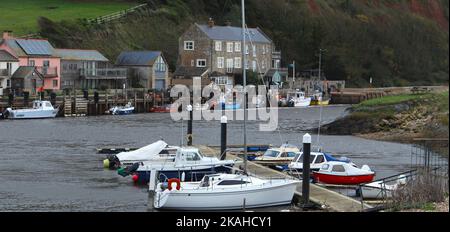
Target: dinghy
<point>224,192</point>
<point>339,173</point>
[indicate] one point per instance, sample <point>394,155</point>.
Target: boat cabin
<point>286,151</point>
<point>317,159</point>
<point>44,105</point>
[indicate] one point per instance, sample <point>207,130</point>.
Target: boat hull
<point>226,200</point>
<point>32,114</point>
<point>320,103</point>
<point>342,180</point>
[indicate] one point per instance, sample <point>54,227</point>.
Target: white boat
<point>188,165</point>
<point>339,173</point>
<point>41,109</point>
<point>298,99</point>
<point>225,192</point>
<point>278,155</point>
<point>159,150</point>
<point>380,189</point>
<point>122,110</point>
<point>317,159</point>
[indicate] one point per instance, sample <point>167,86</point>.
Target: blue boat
<point>122,110</point>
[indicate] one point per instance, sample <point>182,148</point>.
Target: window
<point>65,67</point>
<point>218,45</point>
<point>191,156</point>
<point>237,46</point>
<point>291,154</point>
<point>47,104</point>
<point>189,45</point>
<point>338,168</point>
<point>220,62</point>
<point>223,80</point>
<point>254,50</point>
<point>232,182</point>
<point>46,63</point>
<point>270,153</point>
<point>31,63</point>
<point>8,83</point>
<point>283,155</point>
<point>55,83</point>
<point>319,159</point>
<point>160,65</point>
<point>254,66</point>
<point>201,63</point>
<point>229,46</point>
<point>229,65</point>
<point>247,49</point>
<point>237,62</point>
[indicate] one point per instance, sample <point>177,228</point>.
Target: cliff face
<point>395,42</point>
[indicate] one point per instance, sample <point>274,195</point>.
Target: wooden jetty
<point>320,195</point>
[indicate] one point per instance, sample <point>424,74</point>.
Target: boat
<point>122,110</point>
<point>340,173</point>
<point>187,165</point>
<point>278,155</point>
<point>160,109</point>
<point>41,109</point>
<point>298,99</point>
<point>159,150</point>
<point>317,100</point>
<point>224,192</point>
<point>380,189</point>
<point>317,159</point>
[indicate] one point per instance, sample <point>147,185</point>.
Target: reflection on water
<point>51,164</point>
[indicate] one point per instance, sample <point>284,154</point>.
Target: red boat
<point>160,109</point>
<point>340,173</point>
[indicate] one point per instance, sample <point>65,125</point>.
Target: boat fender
<point>172,180</point>
<point>183,176</point>
<point>106,163</point>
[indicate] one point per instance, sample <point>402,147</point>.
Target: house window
<point>218,46</point>
<point>237,46</point>
<point>46,63</point>
<point>264,49</point>
<point>237,62</point>
<point>65,67</point>
<point>189,45</point>
<point>224,80</point>
<point>230,47</point>
<point>55,83</point>
<point>254,50</point>
<point>220,62</point>
<point>246,49</point>
<point>8,83</point>
<point>254,66</point>
<point>229,65</point>
<point>201,63</point>
<point>31,63</point>
<point>160,65</point>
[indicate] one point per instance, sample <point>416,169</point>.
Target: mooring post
<point>151,189</point>
<point>223,137</point>
<point>306,158</point>
<point>189,130</point>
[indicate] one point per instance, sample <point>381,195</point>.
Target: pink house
<point>38,53</point>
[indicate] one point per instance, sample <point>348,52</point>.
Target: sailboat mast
<point>244,75</point>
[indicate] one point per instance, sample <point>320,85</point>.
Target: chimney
<point>7,35</point>
<point>211,22</point>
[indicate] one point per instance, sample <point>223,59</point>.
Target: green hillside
<point>400,42</point>
<point>21,16</point>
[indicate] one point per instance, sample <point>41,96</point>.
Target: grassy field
<point>391,100</point>
<point>21,16</point>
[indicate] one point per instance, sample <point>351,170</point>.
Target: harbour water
<point>52,165</point>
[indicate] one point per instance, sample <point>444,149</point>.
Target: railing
<point>114,16</point>
<point>48,71</point>
<point>5,72</point>
<point>104,73</point>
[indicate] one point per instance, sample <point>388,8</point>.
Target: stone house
<point>27,79</point>
<point>8,65</point>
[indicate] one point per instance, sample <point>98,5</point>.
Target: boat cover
<point>331,158</point>
<point>143,153</point>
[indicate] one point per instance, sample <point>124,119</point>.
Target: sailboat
<point>226,191</point>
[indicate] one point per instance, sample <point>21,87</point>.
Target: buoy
<point>106,163</point>
<point>135,178</point>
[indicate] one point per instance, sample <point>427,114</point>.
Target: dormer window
<point>189,45</point>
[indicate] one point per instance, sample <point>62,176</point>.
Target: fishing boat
<point>278,155</point>
<point>41,109</point>
<point>298,99</point>
<point>187,165</point>
<point>317,159</point>
<point>380,189</point>
<point>317,100</point>
<point>159,150</point>
<point>122,110</point>
<point>340,173</point>
<point>224,192</point>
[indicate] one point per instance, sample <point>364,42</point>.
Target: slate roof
<point>233,33</point>
<point>25,71</point>
<point>6,56</point>
<point>137,58</point>
<point>79,54</point>
<point>183,71</point>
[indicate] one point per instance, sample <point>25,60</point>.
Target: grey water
<point>52,165</point>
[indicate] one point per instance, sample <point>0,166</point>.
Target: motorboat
<point>340,173</point>
<point>298,99</point>
<point>224,192</point>
<point>278,155</point>
<point>317,99</point>
<point>41,109</point>
<point>161,109</point>
<point>380,189</point>
<point>159,150</point>
<point>188,165</point>
<point>317,159</point>
<point>122,110</point>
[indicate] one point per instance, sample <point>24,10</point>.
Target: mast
<point>244,75</point>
